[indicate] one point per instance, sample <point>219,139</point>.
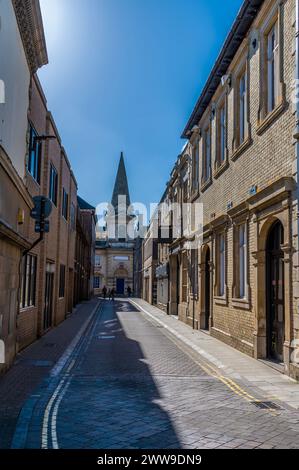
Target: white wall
<point>14,71</point>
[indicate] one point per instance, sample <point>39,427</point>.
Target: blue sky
<point>124,75</point>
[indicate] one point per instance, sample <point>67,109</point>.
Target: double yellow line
<point>233,386</point>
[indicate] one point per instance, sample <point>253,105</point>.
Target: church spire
<point>121,187</point>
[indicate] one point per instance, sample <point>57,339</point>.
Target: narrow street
<point>128,383</point>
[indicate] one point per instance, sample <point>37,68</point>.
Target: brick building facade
<point>36,283</point>
<point>241,284</point>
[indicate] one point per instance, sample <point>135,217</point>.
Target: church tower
<point>118,221</point>
<point>115,252</point>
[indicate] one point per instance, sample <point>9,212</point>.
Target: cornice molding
<point>31,28</point>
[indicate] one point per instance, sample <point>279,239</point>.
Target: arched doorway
<point>205,288</point>
<point>275,292</point>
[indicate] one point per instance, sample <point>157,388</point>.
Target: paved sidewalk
<point>33,365</point>
<point>231,363</point>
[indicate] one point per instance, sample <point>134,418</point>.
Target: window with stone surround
<point>207,154</point>
<point>240,263</point>
<point>35,155</point>
<point>272,68</point>
<point>195,165</point>
<point>28,281</point>
<point>53,184</point>
<point>65,205</point>
<point>221,133</point>
<point>272,89</point>
<point>241,128</point>
<point>220,286</point>
<point>184,277</point>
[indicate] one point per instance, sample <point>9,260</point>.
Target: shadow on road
<point>113,399</point>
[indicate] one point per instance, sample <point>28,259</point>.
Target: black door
<point>275,294</point>
<point>207,290</point>
<point>48,299</point>
<point>120,286</point>
<point>178,280</point>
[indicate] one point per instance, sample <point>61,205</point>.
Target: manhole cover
<point>266,405</point>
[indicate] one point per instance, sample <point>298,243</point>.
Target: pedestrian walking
<point>129,290</point>
<point>104,292</point>
<point>112,293</point>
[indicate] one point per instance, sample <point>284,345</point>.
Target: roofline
<point>30,23</point>
<point>241,25</point>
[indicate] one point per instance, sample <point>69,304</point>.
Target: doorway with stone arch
<point>275,292</point>
<point>273,335</point>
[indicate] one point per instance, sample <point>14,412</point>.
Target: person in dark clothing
<point>104,292</point>
<point>129,290</point>
<point>112,294</point>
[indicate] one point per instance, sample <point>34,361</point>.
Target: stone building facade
<point>114,253</point>
<point>241,284</point>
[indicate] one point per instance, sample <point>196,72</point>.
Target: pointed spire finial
<point>121,187</point>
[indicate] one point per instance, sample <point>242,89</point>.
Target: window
<point>62,281</point>
<point>242,239</point>
<point>194,272</point>
<point>53,184</point>
<point>98,260</point>
<point>184,277</point>
<point>242,108</point>
<point>221,265</point>
<point>206,171</point>
<point>65,203</point>
<point>121,258</point>
<point>195,165</point>
<point>35,153</point>
<point>73,216</point>
<point>241,262</point>
<point>221,134</point>
<point>28,281</point>
<point>272,68</point>
<point>96,282</point>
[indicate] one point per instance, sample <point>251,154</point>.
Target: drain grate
<point>266,405</point>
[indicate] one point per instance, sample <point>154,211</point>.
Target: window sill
<point>206,184</point>
<point>27,309</point>
<point>270,118</point>
<point>219,169</point>
<point>220,300</point>
<point>244,304</point>
<point>241,148</point>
